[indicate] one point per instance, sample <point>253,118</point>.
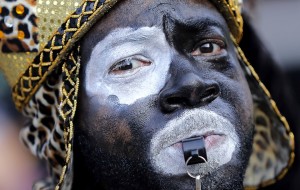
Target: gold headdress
<point>67,21</point>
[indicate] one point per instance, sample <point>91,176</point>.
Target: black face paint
<point>193,150</point>
<point>112,141</point>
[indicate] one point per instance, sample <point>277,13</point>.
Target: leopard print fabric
<point>269,155</point>
<point>43,133</point>
<point>18,26</point>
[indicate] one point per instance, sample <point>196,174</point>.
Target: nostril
<point>209,94</point>
<point>170,104</point>
<point>174,101</point>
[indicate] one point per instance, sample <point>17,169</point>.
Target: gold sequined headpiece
<point>37,37</point>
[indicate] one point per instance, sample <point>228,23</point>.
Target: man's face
<point>153,74</point>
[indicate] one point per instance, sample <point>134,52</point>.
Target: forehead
<point>140,13</point>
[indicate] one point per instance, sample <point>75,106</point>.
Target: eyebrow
<point>194,23</point>
<point>202,23</point>
<point>131,35</point>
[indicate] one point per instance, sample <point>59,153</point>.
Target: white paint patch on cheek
<point>149,42</point>
<point>169,159</point>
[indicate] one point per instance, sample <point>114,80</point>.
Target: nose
<point>189,91</point>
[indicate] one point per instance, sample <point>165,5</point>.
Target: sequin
<point>21,35</point>
<point>89,6</point>
<point>1,34</point>
<point>20,9</point>
<point>9,21</point>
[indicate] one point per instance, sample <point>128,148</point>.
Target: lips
<point>211,140</point>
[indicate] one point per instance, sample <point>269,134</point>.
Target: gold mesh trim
<point>68,105</point>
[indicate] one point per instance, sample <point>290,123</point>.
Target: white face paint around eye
<point>148,43</point>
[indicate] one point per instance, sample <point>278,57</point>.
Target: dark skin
<point>113,138</point>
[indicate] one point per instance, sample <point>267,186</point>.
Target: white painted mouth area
<point>165,149</point>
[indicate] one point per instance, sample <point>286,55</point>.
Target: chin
<point>228,176</point>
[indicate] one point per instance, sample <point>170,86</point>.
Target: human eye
<point>209,48</point>
<point>129,66</point>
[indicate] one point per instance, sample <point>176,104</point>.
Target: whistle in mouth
<point>192,149</point>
